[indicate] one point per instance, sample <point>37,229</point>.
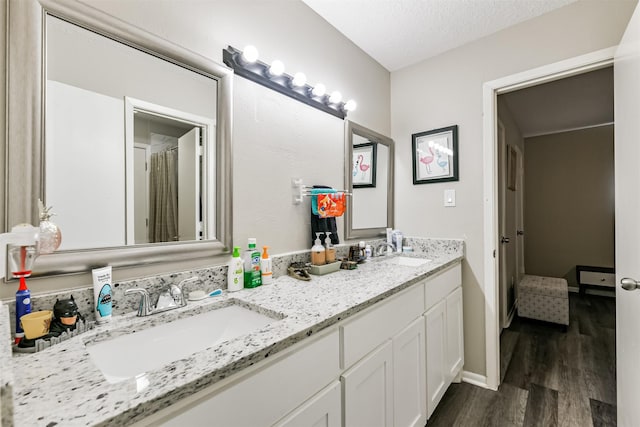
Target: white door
<point>519,201</point>
<point>189,185</point>
<point>507,203</point>
<point>409,378</point>
<point>367,390</point>
<point>627,178</point>
<point>502,256</point>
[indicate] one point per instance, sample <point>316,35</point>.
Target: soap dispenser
<point>266,267</point>
<point>235,271</point>
<point>330,251</point>
<point>318,253</point>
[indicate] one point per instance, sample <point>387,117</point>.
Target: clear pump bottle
<point>330,251</point>
<point>318,253</point>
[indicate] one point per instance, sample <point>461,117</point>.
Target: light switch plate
<point>449,198</point>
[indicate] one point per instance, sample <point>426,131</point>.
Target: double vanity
<point>376,345</point>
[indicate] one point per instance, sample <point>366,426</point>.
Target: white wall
<point>455,80</point>
<point>85,171</point>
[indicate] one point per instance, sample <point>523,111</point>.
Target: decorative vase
<point>50,234</point>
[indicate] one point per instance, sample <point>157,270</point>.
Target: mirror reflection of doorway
<point>166,179</point>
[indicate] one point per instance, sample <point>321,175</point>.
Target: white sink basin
<point>130,355</point>
<point>408,261</point>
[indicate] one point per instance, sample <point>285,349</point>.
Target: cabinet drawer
<point>436,288</point>
<point>597,278</point>
<point>379,323</point>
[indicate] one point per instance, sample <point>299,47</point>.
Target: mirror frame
<point>25,137</point>
<point>351,129</point>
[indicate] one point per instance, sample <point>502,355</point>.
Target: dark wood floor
<point>549,377</point>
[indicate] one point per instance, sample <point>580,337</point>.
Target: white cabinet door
<point>436,345</point>
<point>409,386</point>
<point>322,410</point>
<point>367,389</point>
<point>455,334</point>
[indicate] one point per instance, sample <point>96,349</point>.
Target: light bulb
<point>250,54</point>
<point>276,68</point>
<point>350,105</point>
<point>299,80</point>
<point>319,89</point>
<point>335,97</point>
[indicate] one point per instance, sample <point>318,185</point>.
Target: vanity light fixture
<point>250,54</point>
<point>319,90</point>
<point>335,97</point>
<point>350,105</point>
<point>300,79</point>
<point>246,64</point>
<point>277,68</point>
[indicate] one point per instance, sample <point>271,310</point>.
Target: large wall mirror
<point>126,135</point>
<point>369,158</point>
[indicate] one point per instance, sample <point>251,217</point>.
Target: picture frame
<point>512,168</point>
<point>435,155</point>
<point>364,165</point>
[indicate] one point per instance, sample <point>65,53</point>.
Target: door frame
<point>209,151</point>
<point>490,90</point>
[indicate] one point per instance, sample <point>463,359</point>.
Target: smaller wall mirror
<point>369,158</point>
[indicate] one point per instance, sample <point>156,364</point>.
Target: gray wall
<point>453,81</point>
<point>274,136</point>
<point>569,202</point>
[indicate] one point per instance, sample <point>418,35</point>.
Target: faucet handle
<point>186,281</point>
<point>177,293</point>
<point>144,307</point>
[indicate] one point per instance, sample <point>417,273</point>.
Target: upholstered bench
<point>544,298</point>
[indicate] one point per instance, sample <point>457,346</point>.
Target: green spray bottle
<point>252,276</point>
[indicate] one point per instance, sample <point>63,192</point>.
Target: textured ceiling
<point>571,103</point>
<point>399,33</point>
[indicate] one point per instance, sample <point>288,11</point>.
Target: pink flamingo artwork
<point>364,168</point>
<point>427,160</point>
<point>442,162</point>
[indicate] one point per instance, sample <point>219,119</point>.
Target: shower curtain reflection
<point>163,196</point>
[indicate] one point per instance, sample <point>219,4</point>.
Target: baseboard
<point>511,314</point>
<point>475,379</point>
<point>609,292</point>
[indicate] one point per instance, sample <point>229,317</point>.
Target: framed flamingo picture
<point>364,165</point>
<point>435,155</point>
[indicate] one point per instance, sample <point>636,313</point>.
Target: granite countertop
<point>61,385</point>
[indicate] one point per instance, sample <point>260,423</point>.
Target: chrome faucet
<point>383,246</point>
<point>172,297</point>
